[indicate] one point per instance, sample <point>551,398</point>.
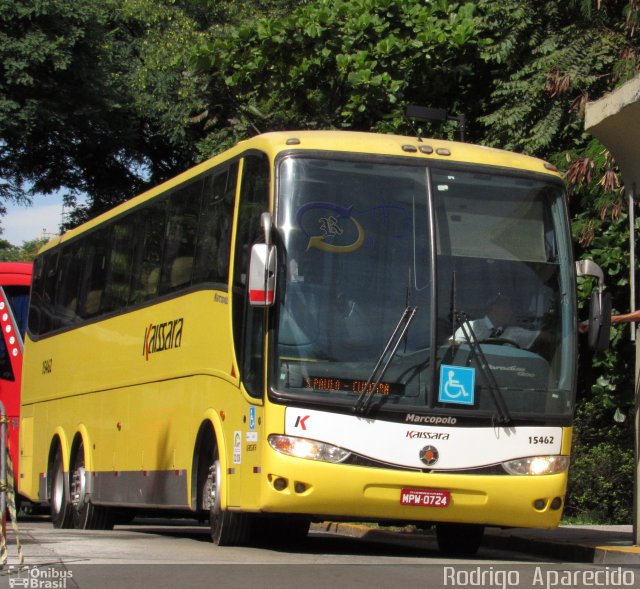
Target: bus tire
<point>459,539</point>
<point>228,528</point>
<point>59,504</point>
<point>85,515</point>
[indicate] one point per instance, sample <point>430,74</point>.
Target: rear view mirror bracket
<point>599,307</point>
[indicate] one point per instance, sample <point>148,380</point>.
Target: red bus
<point>15,282</point>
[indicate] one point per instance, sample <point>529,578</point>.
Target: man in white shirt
<point>495,325</point>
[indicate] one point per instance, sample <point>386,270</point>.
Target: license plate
<point>425,497</point>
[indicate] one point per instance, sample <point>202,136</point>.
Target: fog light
<point>556,503</point>
<point>539,504</point>
<point>280,484</point>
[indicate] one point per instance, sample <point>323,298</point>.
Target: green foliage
<point>601,483</point>
<point>53,92</point>
<point>600,479</point>
<point>558,57</point>
<point>75,108</point>
<point>601,476</point>
<point>339,64</point>
<point>25,253</point>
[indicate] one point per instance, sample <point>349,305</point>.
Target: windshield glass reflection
<point>356,254</point>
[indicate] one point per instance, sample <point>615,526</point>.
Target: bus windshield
<point>482,255</point>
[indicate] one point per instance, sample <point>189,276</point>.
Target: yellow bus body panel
<point>372,493</point>
<point>136,410</point>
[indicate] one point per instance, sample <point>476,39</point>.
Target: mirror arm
<point>599,308</point>
<point>590,268</point>
<point>267,223</point>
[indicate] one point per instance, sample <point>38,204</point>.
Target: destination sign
<point>330,384</point>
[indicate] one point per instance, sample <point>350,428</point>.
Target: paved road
<point>179,554</point>
<point>185,542</point>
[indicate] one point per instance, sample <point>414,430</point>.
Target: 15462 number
<point>540,440</point>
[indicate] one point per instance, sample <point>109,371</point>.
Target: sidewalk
<point>596,544</point>
<point>606,545</point>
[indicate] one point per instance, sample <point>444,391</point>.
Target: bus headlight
<point>537,465</point>
<point>309,449</point>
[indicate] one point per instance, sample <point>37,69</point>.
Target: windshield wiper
<point>364,400</point>
<point>504,417</point>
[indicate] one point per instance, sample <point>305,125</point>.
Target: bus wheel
<point>58,493</point>
<point>228,528</point>
<point>459,539</point>
<point>85,515</point>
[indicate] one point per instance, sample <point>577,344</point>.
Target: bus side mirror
<point>262,275</point>
<point>262,269</point>
<point>599,308</point>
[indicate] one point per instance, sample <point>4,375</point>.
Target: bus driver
<point>496,325</point>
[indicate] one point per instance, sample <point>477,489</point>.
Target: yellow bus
<point>288,332</point>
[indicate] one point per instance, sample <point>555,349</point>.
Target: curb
<point>562,550</point>
<point>507,540</point>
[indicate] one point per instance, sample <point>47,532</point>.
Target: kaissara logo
<point>162,336</point>
<point>416,435</point>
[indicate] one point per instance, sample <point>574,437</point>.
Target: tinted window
<point>182,227</point>
<point>37,288</point>
<point>214,230</point>
<point>248,321</point>
<point>120,265</point>
<point>148,253</point>
<point>68,290</point>
<point>168,244</point>
<point>49,284</point>
<point>94,279</point>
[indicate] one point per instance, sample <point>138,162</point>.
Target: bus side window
<point>148,252</point>
<point>71,266</point>
<point>248,322</point>
<point>50,280</point>
<point>35,303</point>
<point>214,229</point>
<point>93,284</point>
<point>120,265</point>
<point>180,238</point>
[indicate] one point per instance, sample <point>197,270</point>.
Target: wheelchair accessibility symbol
<point>457,384</point>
